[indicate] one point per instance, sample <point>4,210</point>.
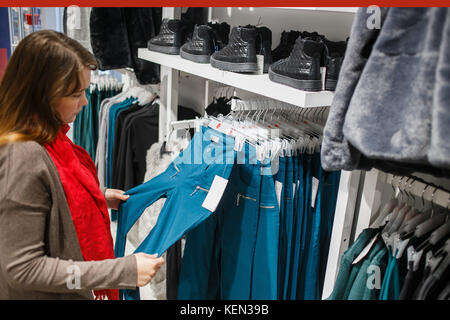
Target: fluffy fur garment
<point>391,106</point>
<point>117,33</point>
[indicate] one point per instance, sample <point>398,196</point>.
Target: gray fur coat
<point>391,106</point>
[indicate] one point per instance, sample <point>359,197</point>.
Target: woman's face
<point>69,107</point>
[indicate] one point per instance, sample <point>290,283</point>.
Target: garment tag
<point>366,250</point>
<point>399,245</point>
<point>260,61</point>
<point>215,139</point>
<point>278,188</point>
<point>215,193</point>
<point>413,258</point>
<point>315,188</point>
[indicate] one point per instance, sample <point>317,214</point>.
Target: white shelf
<point>331,9</point>
<point>256,83</point>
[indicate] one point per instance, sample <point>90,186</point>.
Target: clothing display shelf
<point>350,181</point>
<point>255,83</point>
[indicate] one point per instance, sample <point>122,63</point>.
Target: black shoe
<point>170,37</point>
<point>335,52</point>
<point>201,46</point>
<point>239,55</point>
<point>284,48</point>
<point>301,70</point>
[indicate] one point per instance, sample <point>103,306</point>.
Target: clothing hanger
<point>386,210</point>
<point>442,231</point>
<point>395,211</point>
<point>400,218</point>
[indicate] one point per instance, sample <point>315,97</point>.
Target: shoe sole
<point>330,84</point>
<point>306,85</point>
<point>199,58</point>
<point>234,67</point>
<point>163,49</point>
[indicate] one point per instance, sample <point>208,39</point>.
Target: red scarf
<point>86,201</point>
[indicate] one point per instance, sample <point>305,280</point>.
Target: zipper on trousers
<point>199,188</point>
<point>267,207</point>
<point>245,197</point>
<point>176,168</point>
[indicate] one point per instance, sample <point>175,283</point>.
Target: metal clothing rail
<point>420,189</point>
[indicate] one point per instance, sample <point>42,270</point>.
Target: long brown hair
<point>45,66</point>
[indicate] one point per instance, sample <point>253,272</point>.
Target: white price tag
<point>366,250</point>
<point>215,193</point>
<point>314,189</point>
<point>278,188</point>
<point>260,61</point>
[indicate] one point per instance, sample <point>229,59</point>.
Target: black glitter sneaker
<point>170,37</point>
<point>334,52</point>
<point>201,46</point>
<point>239,55</point>
<point>301,70</point>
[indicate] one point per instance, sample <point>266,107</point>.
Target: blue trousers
<point>233,254</point>
<point>265,266</point>
<point>185,184</point>
<point>280,180</point>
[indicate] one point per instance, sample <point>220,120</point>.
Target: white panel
<point>342,226</point>
<point>374,182</point>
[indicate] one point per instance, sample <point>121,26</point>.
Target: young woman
<point>55,239</point>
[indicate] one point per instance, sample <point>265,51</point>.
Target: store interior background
<point>15,23</point>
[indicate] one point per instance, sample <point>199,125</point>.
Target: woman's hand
<point>114,197</point>
<point>147,266</point>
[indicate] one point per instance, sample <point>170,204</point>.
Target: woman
<point>55,239</point>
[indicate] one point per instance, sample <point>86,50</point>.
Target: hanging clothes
<point>86,124</point>
<point>117,34</point>
<point>237,248</point>
<point>397,260</point>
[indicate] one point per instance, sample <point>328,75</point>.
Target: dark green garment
<point>393,279</point>
<point>86,124</point>
<point>345,275</point>
<point>373,265</point>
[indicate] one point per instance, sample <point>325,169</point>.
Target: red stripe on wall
<point>3,60</point>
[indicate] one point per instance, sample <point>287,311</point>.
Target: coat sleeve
<point>337,153</point>
<point>25,204</point>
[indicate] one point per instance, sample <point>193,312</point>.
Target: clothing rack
<point>418,188</point>
<point>317,114</point>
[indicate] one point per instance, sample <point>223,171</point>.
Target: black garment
<point>412,280</point>
<point>116,35</point>
<point>138,131</point>
<point>118,127</point>
<point>219,106</point>
<point>445,294</point>
<point>435,282</point>
<point>173,268</point>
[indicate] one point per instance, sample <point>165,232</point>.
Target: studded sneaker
<point>301,70</point>
<point>239,55</point>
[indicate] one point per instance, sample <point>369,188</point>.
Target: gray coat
<point>40,257</point>
<point>392,102</point>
